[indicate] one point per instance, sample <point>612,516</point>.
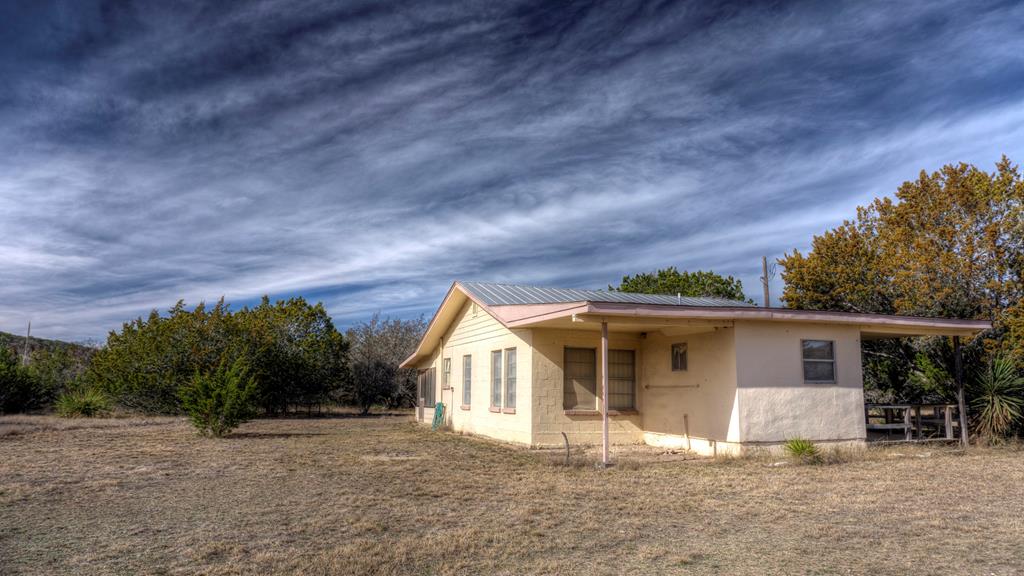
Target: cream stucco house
<point>525,364</point>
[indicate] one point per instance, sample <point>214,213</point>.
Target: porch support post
<point>959,368</point>
<point>604,394</point>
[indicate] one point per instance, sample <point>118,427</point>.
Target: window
<point>426,386</point>
<point>467,379</point>
<point>446,367</point>
<point>679,357</point>
<point>496,379</point>
<point>579,389</point>
<point>621,380</point>
<point>510,378</point>
<point>819,358</point>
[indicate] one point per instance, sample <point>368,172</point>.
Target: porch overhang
<point>621,317</point>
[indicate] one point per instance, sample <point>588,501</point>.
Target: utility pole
<point>24,351</point>
<point>764,281</point>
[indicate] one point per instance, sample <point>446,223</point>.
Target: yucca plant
<point>803,450</point>
<point>83,403</point>
<point>998,398</point>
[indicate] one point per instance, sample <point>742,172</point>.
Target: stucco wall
<point>775,404</point>
<point>476,333</point>
<point>702,398</point>
<point>743,386</point>
<point>549,417</point>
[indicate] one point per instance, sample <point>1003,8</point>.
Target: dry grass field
<point>384,496</point>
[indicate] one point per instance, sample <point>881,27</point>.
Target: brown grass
<point>384,496</point>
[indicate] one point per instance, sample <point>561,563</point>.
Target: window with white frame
<point>446,367</point>
<point>819,359</point>
<point>467,379</point>
<point>496,379</point>
<point>510,378</point>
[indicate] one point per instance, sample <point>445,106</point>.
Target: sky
<point>368,154</point>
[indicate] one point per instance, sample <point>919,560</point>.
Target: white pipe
<point>604,393</point>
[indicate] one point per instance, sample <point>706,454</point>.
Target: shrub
<point>998,398</point>
<point>19,391</point>
<point>292,349</point>
<point>83,403</point>
<point>217,402</point>
<point>803,450</point>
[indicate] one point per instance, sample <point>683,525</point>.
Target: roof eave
<point>434,330</point>
<point>606,309</point>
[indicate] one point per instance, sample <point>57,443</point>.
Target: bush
<point>217,402</point>
<point>19,391</point>
<point>292,349</point>
<point>998,398</point>
<point>803,450</point>
<point>83,403</point>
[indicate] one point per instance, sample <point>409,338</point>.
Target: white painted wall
<point>775,404</point>
<point>477,333</point>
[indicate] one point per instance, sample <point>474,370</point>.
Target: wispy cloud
<point>367,154</point>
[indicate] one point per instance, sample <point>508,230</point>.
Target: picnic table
<point>916,422</point>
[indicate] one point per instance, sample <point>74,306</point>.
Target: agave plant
<point>803,450</point>
<point>998,398</point>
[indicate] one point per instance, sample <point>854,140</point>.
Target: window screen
<point>510,378</point>
<point>467,379</point>
<point>427,386</point>
<point>621,380</point>
<point>579,390</point>
<point>496,379</point>
<point>819,361</point>
<point>446,366</point>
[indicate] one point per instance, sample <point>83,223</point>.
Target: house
<point>524,364</point>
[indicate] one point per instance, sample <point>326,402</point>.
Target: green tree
<point>671,281</point>
<point>57,370</point>
<point>145,364</point>
<point>218,401</point>
<point>291,348</point>
<point>18,390</point>
<point>951,244</point>
<point>297,355</point>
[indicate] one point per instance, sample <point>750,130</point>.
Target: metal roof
<point>493,294</point>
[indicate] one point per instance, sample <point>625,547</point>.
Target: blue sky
<point>367,154</point>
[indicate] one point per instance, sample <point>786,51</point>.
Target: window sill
<point>598,412</point>
<point>508,410</point>
<point>464,407</point>
<point>494,409</point>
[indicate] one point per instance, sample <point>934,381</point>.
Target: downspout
<point>440,360</point>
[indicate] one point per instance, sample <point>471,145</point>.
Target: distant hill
<point>17,344</point>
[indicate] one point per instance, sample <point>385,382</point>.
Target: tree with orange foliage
<point>951,244</point>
